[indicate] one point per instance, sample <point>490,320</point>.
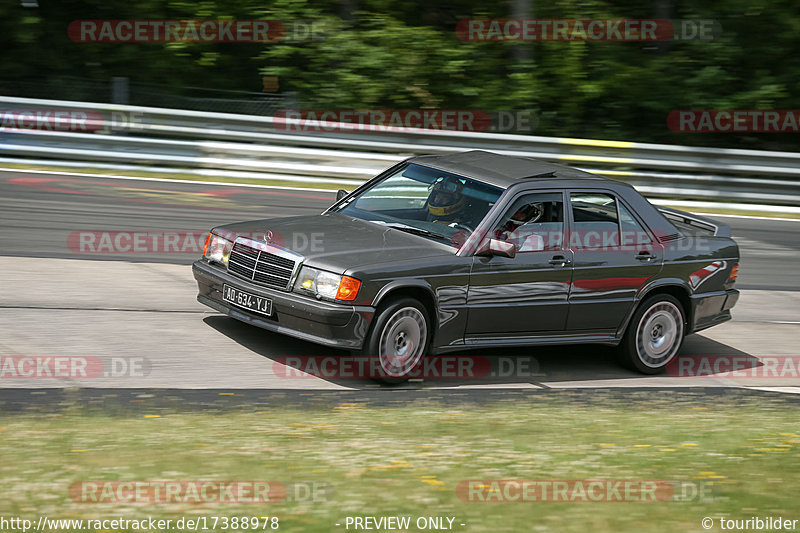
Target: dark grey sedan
<point>476,249</point>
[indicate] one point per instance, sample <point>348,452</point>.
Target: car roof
<point>505,170</point>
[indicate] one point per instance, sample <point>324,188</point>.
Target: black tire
<point>392,334</point>
<point>654,335</point>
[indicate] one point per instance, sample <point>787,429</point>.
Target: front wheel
<point>398,339</point>
<point>654,335</point>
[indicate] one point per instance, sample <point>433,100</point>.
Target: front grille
<point>260,266</point>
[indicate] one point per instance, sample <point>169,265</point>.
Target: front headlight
<point>323,284</point>
<point>217,249</point>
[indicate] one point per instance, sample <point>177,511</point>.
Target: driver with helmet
<point>447,204</point>
<point>525,214</point>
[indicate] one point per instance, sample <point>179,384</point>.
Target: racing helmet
<point>446,198</point>
<point>524,214</point>
<point>527,213</point>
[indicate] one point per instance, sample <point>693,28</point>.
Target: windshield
<point>425,201</point>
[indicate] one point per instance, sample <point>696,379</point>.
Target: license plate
<point>251,302</point>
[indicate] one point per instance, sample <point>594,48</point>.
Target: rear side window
<point>632,231</point>
<point>596,224</point>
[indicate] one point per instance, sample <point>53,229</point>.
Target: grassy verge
<point>178,176</point>
<point>722,210</point>
<point>409,460</point>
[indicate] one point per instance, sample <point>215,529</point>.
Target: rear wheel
<point>398,340</point>
<point>654,335</point>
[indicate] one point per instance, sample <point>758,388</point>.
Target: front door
<point>528,294</point>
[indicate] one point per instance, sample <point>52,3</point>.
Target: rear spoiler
<point>705,223</point>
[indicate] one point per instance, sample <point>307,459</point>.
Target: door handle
<point>645,256</point>
<point>559,260</point>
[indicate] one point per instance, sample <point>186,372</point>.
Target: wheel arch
<point>416,289</point>
<point>674,288</point>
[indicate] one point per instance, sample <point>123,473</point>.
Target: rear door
<point>614,255</point>
<point>527,294</point>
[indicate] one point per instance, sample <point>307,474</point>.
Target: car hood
<point>338,242</point>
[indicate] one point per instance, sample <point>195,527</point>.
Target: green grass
<point>722,210</point>
<point>178,176</point>
<point>408,460</point>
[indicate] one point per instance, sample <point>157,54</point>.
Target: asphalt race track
<point>63,294</point>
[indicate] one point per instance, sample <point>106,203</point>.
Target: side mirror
<point>496,247</point>
<point>341,193</point>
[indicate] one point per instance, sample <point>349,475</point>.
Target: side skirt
<point>497,342</point>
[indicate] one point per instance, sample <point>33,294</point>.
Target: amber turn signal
<point>348,289</point>
<point>734,273</point>
<point>205,248</point>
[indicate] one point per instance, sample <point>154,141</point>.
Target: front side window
<point>426,201</point>
<point>534,222</point>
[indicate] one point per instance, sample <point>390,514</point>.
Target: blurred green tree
<point>379,54</point>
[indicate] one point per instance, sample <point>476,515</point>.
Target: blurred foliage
<point>388,54</point>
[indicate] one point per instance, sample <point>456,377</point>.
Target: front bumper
<point>710,309</point>
<point>327,323</point>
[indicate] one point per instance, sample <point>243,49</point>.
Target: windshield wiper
<point>411,229</point>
